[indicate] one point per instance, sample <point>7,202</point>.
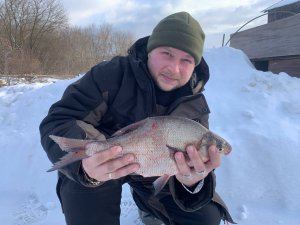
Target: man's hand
<point>194,169</point>
<point>109,164</point>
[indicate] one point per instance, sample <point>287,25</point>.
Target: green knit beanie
<point>181,31</point>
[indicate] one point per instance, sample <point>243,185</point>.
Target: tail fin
<point>69,144</point>
<point>68,159</point>
<point>74,147</point>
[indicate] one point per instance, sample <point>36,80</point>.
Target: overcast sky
<point>217,17</point>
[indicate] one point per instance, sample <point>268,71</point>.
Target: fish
<point>153,141</point>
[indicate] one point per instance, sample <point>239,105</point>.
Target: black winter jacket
<point>119,92</point>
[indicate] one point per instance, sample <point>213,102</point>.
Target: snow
<point>258,112</point>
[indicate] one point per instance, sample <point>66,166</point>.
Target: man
<point>163,74</point>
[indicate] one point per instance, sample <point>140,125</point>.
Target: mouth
<point>168,79</point>
<point>228,150</point>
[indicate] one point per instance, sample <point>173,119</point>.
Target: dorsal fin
<point>129,128</point>
<point>90,131</point>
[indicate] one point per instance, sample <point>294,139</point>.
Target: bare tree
<point>35,38</point>
<point>47,16</point>
<point>26,22</point>
<point>5,54</point>
<point>13,21</point>
<point>85,47</point>
<point>121,42</point>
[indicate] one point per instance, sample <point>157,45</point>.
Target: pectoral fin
<point>174,149</point>
<point>160,182</point>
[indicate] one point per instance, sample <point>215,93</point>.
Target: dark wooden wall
<point>275,39</point>
<point>290,66</point>
<point>283,12</point>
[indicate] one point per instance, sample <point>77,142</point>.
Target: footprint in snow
<point>31,212</point>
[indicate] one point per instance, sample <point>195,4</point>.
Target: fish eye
<point>219,147</point>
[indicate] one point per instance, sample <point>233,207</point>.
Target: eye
<point>166,53</point>
<point>188,61</point>
<point>220,147</point>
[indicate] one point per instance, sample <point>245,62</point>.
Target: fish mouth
<point>227,149</point>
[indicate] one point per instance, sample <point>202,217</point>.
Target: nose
<point>174,66</point>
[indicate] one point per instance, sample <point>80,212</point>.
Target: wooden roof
<point>281,3</point>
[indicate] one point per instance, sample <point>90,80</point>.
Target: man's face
<point>170,68</point>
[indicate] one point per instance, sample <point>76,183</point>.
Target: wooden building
<point>274,46</point>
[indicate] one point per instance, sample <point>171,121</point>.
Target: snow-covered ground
<point>258,112</point>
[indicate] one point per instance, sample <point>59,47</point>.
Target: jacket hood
<point>138,51</point>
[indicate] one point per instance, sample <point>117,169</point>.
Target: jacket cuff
<point>192,202</point>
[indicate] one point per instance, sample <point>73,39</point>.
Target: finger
<point>107,170</point>
<point>115,164</point>
<point>214,158</point>
<point>124,171</point>
<point>196,160</point>
<point>101,157</point>
<point>182,165</point>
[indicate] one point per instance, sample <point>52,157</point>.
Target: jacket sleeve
<point>83,100</point>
